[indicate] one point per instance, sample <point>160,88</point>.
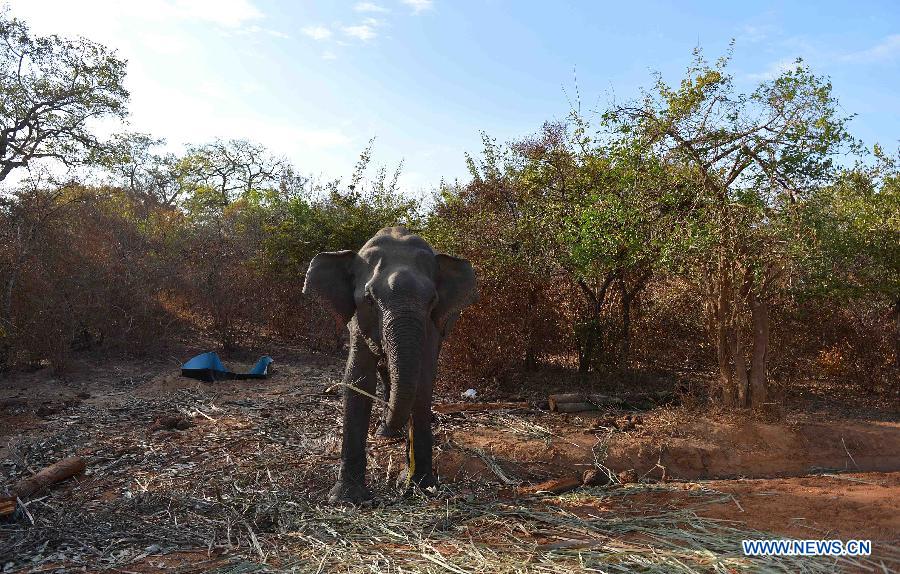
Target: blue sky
<point>316,80</point>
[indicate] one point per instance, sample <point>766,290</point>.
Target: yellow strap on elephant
<point>412,456</point>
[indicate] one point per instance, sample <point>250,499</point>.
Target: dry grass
<point>242,491</point>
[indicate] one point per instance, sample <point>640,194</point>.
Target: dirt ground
<point>808,475</point>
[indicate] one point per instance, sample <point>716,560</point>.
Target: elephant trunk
<point>403,339</point>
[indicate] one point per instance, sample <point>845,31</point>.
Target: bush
<point>81,269</point>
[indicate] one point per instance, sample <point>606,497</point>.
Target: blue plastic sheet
<point>208,367</point>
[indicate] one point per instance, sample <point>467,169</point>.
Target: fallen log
<point>450,408</point>
<point>577,402</point>
<point>555,486</point>
<point>171,423</point>
<point>57,472</point>
<point>578,407</point>
<point>7,505</point>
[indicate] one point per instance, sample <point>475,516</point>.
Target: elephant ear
<point>329,280</point>
<point>456,290</point>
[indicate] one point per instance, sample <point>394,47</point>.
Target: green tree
<point>51,89</point>
<point>565,209</point>
<point>855,238</point>
<point>756,157</point>
<point>306,218</point>
<point>631,216</point>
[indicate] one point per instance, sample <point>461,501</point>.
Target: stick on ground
<point>7,505</point>
<point>57,472</point>
<point>555,486</point>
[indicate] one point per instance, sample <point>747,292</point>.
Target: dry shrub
<point>515,326</point>
<point>223,290</point>
<point>293,319</point>
<point>95,268</point>
<point>668,328</point>
<point>82,274</point>
<point>853,343</point>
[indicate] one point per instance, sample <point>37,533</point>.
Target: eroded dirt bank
<point>673,444</point>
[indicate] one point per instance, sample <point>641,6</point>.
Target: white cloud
<point>226,13</point>
<point>329,55</point>
<point>756,33</point>
<point>419,5</point>
<point>251,88</point>
<point>254,29</point>
<point>364,32</point>
<point>212,110</point>
<point>174,98</point>
<point>369,7</point>
<point>317,32</point>
<point>100,19</point>
<point>887,49</point>
<point>164,43</point>
<point>774,70</point>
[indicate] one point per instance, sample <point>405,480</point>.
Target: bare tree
<point>50,90</point>
<point>234,167</point>
<point>156,178</point>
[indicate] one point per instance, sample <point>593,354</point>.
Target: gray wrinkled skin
<point>399,300</point>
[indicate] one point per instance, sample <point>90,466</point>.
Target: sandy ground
<point>805,476</point>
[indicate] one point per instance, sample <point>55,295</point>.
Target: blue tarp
<point>208,367</point>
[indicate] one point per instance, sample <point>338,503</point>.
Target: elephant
<point>399,299</point>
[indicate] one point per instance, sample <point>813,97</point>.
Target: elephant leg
<point>420,446</point>
<point>360,372</point>
<point>385,377</point>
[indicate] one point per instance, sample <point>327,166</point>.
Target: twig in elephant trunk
<point>353,387</point>
<point>57,472</point>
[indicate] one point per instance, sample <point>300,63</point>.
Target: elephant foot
<point>384,432</point>
<point>347,492</point>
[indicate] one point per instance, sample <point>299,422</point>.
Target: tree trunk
<point>723,346</point>
<point>24,242</point>
<point>530,343</point>
<point>530,359</point>
<point>6,312</point>
<point>626,326</point>
<point>897,334</point>
<point>628,297</point>
<point>586,353</point>
<point>591,332</point>
<point>57,472</point>
<point>760,320</point>
<point>739,359</point>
